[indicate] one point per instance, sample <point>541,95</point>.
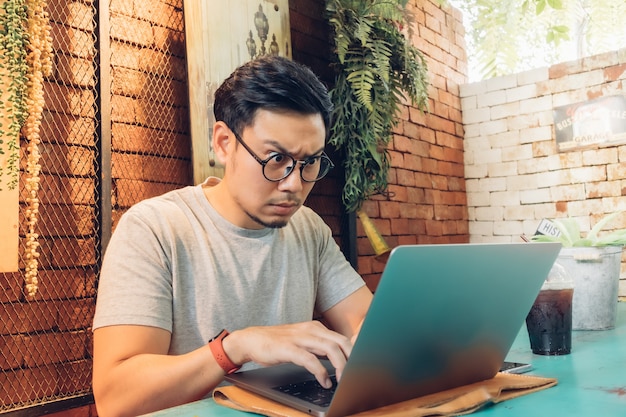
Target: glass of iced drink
<point>549,321</point>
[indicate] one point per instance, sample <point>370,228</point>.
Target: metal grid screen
<point>151,146</point>
<point>45,341</point>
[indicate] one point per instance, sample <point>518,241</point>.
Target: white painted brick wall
<point>514,174</point>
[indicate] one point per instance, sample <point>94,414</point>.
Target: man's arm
<point>347,316</point>
<point>132,373</point>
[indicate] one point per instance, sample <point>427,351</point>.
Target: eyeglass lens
<point>312,169</point>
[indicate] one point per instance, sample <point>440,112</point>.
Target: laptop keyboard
<point>310,391</point>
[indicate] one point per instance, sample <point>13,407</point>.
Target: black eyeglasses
<point>280,165</point>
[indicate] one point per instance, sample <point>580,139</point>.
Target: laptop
<point>442,316</point>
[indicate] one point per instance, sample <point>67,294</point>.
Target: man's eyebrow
<point>278,146</point>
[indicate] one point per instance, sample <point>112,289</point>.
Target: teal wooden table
<point>592,380</point>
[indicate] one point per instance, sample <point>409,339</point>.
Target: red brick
<point>365,265</point>
<point>159,13</point>
<point>79,72</point>
<point>364,247</point>
<point>23,385</point>
<point>157,115</point>
<point>163,65</point>
<point>399,226</point>
<point>389,210</point>
<point>436,152</point>
<point>10,287</point>
<point>396,159</point>
<point>63,128</point>
<point>62,220</point>
<point>75,314</point>
<point>125,28</point>
<point>67,160</point>
<point>372,280</point>
<point>67,252</point>
<point>146,167</point>
<point>371,208</point>
<point>398,193</point>
<point>11,352</point>
<point>49,348</point>
<point>65,283</point>
<point>28,317</point>
<point>74,14</point>
<point>407,240</point>
<point>62,190</point>
<point>128,192</point>
<point>434,228</point>
<point>405,177</point>
<point>169,41</point>
<point>412,162</point>
<point>430,166</point>
<point>124,109</point>
<point>72,41</point>
<point>63,99</point>
<point>74,376</point>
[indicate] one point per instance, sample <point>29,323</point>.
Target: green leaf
<point>593,234</point>
<point>570,230</point>
<point>541,5</point>
<point>555,4</point>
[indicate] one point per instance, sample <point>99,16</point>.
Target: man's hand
<point>300,343</point>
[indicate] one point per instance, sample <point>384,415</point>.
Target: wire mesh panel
<point>45,340</point>
<point>151,151</point>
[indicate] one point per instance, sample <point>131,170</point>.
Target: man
<point>240,254</point>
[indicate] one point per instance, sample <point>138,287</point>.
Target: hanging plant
<point>13,80</point>
<point>39,60</point>
<point>376,67</point>
<point>26,45</point>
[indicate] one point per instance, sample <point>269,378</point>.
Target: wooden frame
<point>221,35</point>
<point>9,230</point>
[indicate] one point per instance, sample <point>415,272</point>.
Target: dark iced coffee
<point>549,322</point>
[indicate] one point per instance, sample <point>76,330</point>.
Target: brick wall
<point>150,139</point>
<point>514,174</point>
<point>45,341</point>
<point>428,203</point>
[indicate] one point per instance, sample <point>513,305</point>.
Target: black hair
<point>270,83</point>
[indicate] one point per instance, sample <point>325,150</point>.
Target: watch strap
<point>220,356</point>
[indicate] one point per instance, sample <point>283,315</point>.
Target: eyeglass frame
<point>303,162</point>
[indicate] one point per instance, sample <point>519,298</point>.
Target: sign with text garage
<point>594,123</point>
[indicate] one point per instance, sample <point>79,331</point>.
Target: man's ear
<point>222,142</point>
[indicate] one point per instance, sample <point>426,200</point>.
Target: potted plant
<point>594,263</point>
<point>376,66</point>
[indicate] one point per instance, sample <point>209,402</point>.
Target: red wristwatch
<point>220,356</point>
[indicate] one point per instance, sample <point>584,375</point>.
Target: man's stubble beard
<point>271,225</point>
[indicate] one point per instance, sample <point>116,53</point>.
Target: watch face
<point>222,334</point>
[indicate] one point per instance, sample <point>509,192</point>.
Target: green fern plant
<point>376,67</point>
<point>571,236</point>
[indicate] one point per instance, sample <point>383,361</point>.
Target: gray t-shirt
<point>175,263</point>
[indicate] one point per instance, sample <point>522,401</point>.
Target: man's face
<point>258,201</point>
